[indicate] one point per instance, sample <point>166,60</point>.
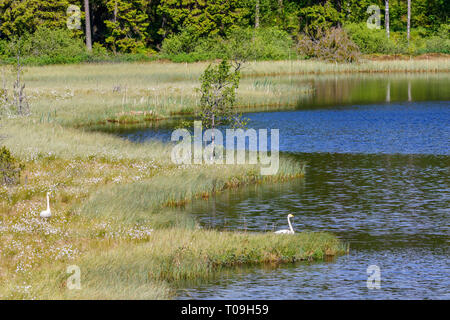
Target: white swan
<point>47,213</point>
<point>287,231</point>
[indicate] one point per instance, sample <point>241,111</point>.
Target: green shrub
<point>47,46</point>
<point>439,43</point>
<point>10,168</point>
<point>370,40</point>
<point>183,42</point>
<point>444,31</point>
<point>56,44</point>
<point>240,43</point>
<point>99,51</point>
<point>261,44</point>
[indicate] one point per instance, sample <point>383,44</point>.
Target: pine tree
<point>19,17</point>
<point>202,17</point>
<point>127,28</point>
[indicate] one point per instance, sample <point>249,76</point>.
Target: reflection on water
<point>405,274</point>
<point>355,196</point>
<point>378,154</point>
<point>393,210</point>
<point>345,90</point>
<point>385,190</point>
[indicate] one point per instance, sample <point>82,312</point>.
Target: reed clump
<point>152,269</point>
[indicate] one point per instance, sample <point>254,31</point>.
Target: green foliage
<point>319,17</point>
<point>19,18</point>
<point>127,28</point>
<point>192,30</point>
<point>355,11</point>
<point>57,44</point>
<point>10,168</point>
<point>261,44</point>
<point>437,44</point>
<point>202,18</point>
<point>370,40</point>
<point>239,44</point>
<point>218,95</point>
<point>46,46</point>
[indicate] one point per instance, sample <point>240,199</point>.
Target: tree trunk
<point>386,18</point>
<point>408,27</point>
<point>88,25</point>
<point>281,12</point>
<point>257,14</point>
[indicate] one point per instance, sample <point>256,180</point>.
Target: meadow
<point>114,201</point>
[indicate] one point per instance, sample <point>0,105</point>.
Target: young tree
<point>218,96</point>
<point>18,103</point>
<point>88,25</point>
<point>218,90</point>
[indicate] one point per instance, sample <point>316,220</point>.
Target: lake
<point>378,156</point>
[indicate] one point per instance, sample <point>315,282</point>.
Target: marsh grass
<point>116,204</point>
<point>106,194</point>
<point>139,201</point>
<point>150,270</point>
<point>83,95</point>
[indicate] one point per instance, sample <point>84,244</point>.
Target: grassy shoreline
<point>87,95</point>
<point>114,200</point>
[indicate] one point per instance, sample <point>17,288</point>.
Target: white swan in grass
<point>47,213</point>
<point>287,231</point>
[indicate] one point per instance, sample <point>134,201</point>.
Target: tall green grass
<point>143,201</point>
<point>86,95</point>
<point>170,257</point>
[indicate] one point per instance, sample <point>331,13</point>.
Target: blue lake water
<point>377,177</point>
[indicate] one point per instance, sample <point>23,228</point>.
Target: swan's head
<point>290,215</point>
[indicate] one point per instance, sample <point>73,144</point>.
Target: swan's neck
<point>48,203</point>
<point>290,225</point>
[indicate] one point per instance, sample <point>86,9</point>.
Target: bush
<point>57,45</point>
<point>10,168</point>
<point>260,44</point>
<point>439,43</point>
<point>240,43</point>
<point>370,40</point>
<point>175,44</point>
<point>330,45</point>
<point>46,46</point>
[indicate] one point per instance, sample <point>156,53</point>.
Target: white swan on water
<point>47,213</point>
<point>287,231</point>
